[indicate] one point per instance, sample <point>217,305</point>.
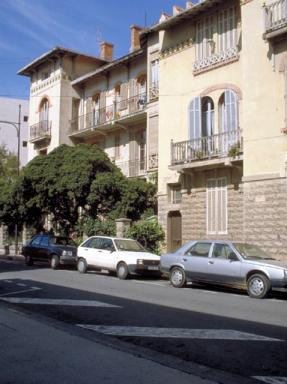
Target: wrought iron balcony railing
<point>41,130</point>
<point>220,145</point>
<point>118,110</point>
<point>275,15</point>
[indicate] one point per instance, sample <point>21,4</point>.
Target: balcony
<point>275,19</point>
<point>40,131</point>
<point>124,111</point>
<point>132,168</point>
<point>215,60</point>
<point>207,151</point>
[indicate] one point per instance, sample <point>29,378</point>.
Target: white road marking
<point>8,281</point>
<point>211,334</point>
<point>149,283</point>
<point>75,303</point>
<point>271,380</point>
<point>22,285</point>
<point>23,291</point>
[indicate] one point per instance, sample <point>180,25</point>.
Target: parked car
<point>55,250</point>
<point>238,265</point>
<point>123,256</point>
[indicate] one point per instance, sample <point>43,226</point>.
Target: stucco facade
<point>201,101</point>
<point>220,176</point>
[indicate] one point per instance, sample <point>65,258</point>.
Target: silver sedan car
<point>237,265</point>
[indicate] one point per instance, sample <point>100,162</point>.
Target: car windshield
<point>129,245</point>
<point>251,252</point>
<point>61,241</point>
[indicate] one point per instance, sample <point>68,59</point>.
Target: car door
<point>224,267</point>
<point>195,261</point>
<point>107,254</point>
<point>43,251</point>
<point>32,249</point>
<point>91,251</point>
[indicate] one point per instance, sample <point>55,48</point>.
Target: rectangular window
<point>204,38</point>
<point>117,146</point>
<point>216,206</point>
<point>154,73</point>
<point>175,194</point>
<point>227,29</point>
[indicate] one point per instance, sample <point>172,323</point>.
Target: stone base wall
<point>193,206</point>
<point>257,212</point>
<point>265,215</point>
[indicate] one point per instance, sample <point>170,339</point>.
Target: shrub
<point>149,233</point>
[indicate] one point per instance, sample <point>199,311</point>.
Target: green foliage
<point>149,233</point>
<point>116,196</point>
<point>70,180</point>
<point>92,227</point>
<point>8,178</point>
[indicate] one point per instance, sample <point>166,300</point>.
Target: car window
<point>129,245</point>
<point>199,250</point>
<point>45,241</point>
<point>221,251</point>
<point>95,242</point>
<point>60,240</point>
<point>107,244</point>
<point>36,241</point>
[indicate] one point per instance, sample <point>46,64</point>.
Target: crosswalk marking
<point>271,380</point>
<point>215,334</point>
<point>38,301</point>
<point>22,291</point>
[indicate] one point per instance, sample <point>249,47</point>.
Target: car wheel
<point>55,261</point>
<point>28,260</point>
<point>258,286</point>
<point>122,271</point>
<point>177,277</point>
<point>82,266</point>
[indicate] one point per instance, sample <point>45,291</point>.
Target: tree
<point>74,185</point>
<point>8,178</point>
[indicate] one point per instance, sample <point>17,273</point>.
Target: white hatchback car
<point>123,256</point>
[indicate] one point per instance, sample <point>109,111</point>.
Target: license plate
<point>153,268</point>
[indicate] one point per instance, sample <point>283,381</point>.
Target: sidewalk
<point>33,352</point>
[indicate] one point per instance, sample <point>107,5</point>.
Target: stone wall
<point>265,215</point>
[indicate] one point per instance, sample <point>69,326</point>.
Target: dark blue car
<point>55,250</point>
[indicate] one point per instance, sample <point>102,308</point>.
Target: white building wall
<point>9,111</point>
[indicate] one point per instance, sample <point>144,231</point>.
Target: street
<point>216,334</point>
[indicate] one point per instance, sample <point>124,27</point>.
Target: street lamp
<point>17,126</point>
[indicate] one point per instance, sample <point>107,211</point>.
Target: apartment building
<point>222,119</point>
<point>200,100</point>
<point>77,98</point>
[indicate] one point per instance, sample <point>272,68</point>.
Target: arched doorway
<point>174,230</point>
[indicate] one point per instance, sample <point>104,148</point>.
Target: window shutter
<point>102,109</point>
<point>195,123</point>
<point>89,112</point>
<point>123,96</point>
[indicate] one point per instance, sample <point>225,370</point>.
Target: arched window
<point>207,116</point>
<point>44,110</point>
<point>228,112</point>
<point>44,115</point>
<point>96,109</point>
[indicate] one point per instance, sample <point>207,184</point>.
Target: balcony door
<point>44,115</point>
<point>228,112</point>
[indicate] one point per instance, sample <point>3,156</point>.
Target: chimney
<point>163,17</point>
<point>189,4</point>
<point>176,10</point>
<point>107,51</point>
<point>135,37</point>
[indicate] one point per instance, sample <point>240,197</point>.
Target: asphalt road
<point>210,332</point>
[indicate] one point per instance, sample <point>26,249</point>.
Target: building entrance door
<point>174,235</point>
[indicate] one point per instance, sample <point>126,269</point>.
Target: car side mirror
<point>233,256</point>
